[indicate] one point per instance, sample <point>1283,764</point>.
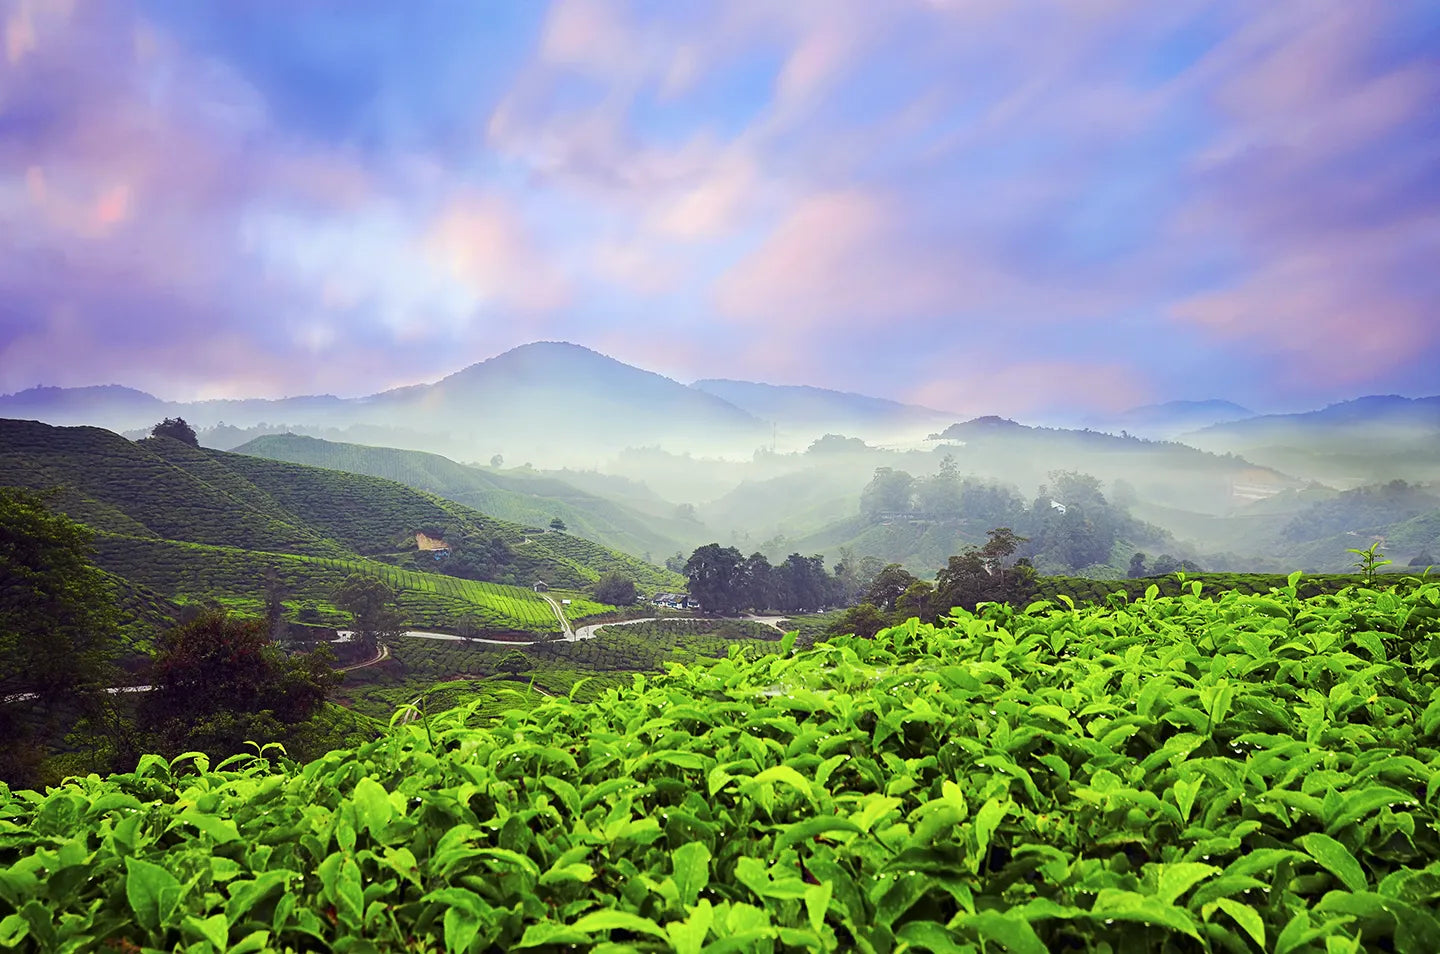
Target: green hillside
<point>193,525</point>
<point>519,496</point>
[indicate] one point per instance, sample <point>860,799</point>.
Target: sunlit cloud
<point>1194,198</point>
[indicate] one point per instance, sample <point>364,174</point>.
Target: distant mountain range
<point>556,404</point>
<point>551,402</point>
<point>800,409</point>
<point>1375,438</point>
<point>1171,419</point>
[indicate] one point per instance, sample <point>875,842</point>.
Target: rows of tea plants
<point>196,572</point>
<point>1245,773</point>
<point>1086,590</point>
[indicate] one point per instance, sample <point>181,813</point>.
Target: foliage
<point>176,429</point>
<point>219,681</point>
<point>371,605</point>
<point>57,627</point>
<point>1173,774</point>
<point>58,630</point>
<point>1369,560</point>
<point>615,589</point>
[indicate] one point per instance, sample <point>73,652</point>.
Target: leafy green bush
<point>1174,774</point>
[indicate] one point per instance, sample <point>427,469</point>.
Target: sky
<point>1017,206</point>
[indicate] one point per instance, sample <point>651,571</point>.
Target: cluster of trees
<point>176,429</point>
<point>616,589</point>
<point>1162,565</point>
<point>218,681</point>
<point>985,574</point>
<point>943,496</point>
<point>724,581</point>
<point>1069,525</point>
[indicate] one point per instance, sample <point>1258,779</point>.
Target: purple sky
<point>982,205</point>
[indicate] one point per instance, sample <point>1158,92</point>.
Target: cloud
<point>1186,195</point>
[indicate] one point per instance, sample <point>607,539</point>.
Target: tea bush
<point>1248,772</point>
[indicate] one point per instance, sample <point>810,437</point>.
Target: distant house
<point>1057,505</point>
<point>540,586</point>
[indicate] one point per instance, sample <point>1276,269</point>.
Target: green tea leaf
<point>1336,859</point>
<point>691,866</point>
<point>1247,917</point>
<point>152,892</point>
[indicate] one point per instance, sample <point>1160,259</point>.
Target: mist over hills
<point>522,496</point>
<point>197,524</point>
<point>647,465</point>
<point>1171,419</point>
<point>810,411</point>
<point>1347,444</point>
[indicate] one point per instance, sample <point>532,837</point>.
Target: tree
<point>220,681</point>
<point>864,620</point>
<point>888,491</point>
<point>371,605</point>
<point>803,583</point>
<point>918,601</point>
<point>1137,566</point>
<point>176,428</point>
<point>513,663</point>
<point>557,524</point>
<point>497,461</point>
<point>941,495</point>
<point>616,589</point>
<point>58,626</point>
<point>1000,544</point>
<point>715,577</point>
<point>888,586</point>
<point>757,582</point>
<point>676,563</point>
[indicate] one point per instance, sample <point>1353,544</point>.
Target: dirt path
<point>566,631</point>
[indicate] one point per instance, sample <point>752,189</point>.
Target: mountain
<point>196,524</point>
<point>561,402</point>
<point>527,497</point>
<point>806,412</point>
<point>110,406</point>
<point>1171,419</point>
<point>1367,440</point>
<point>547,402</point>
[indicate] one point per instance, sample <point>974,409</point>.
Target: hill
<point>526,497</point>
<point>1169,420</point>
<point>1367,440</point>
<point>197,524</point>
<point>804,412</point>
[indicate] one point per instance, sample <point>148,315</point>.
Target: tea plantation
<point>1181,773</point>
<point>197,525</point>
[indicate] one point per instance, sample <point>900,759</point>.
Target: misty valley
<point>862,672</point>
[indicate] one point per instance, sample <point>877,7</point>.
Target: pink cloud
<point>482,242</point>
<point>845,257</point>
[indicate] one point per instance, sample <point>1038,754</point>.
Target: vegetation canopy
<point>1254,772</point>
